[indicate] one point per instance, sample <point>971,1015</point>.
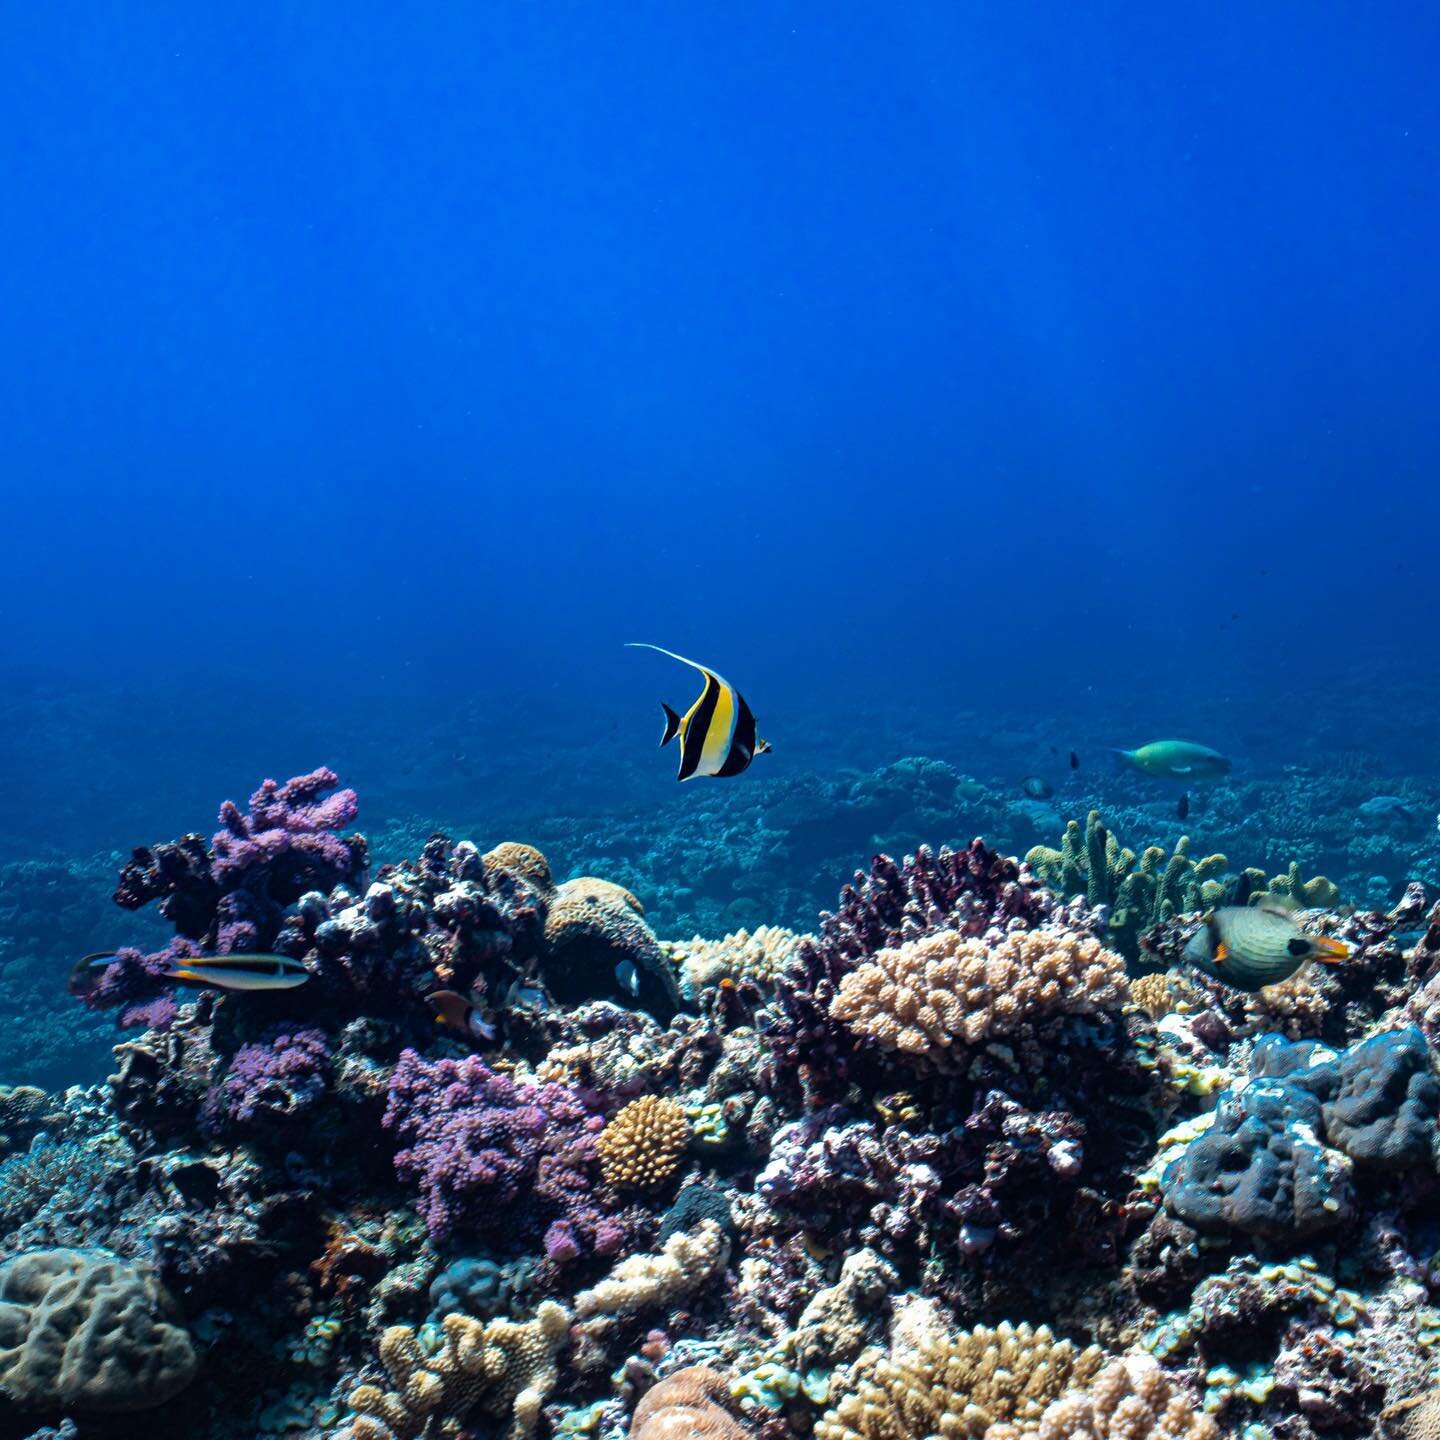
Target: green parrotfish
<point>1176,760</point>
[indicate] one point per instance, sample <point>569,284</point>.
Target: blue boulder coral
<point>1386,1108</point>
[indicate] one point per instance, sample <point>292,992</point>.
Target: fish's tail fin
<point>763,747</point>
<point>672,725</point>
<point>1122,760</point>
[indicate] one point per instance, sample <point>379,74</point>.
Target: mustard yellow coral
<point>641,1148</point>
<point>964,1386</point>
<point>506,1368</point>
<point>522,860</point>
<point>1152,993</point>
<point>930,993</point>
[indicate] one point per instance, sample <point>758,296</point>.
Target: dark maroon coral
<point>489,1151</point>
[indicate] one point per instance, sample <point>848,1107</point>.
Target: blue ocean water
<point>979,383</point>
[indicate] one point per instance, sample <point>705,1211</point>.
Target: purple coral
<point>276,1078</point>
<point>480,1144</point>
<point>289,835</point>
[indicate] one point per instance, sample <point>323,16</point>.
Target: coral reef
<point>935,991</point>
<point>927,1163</point>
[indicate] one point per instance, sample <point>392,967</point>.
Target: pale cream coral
<point>1296,1008</point>
<point>1131,1399</point>
<point>942,989</point>
<point>505,1367</point>
<point>642,1146</point>
<point>963,1386</point>
<point>760,955</point>
<point>688,1405</point>
<point>687,1260</point>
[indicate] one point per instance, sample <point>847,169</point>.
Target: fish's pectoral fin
<point>1181,769</point>
<point>1221,954</point>
<point>672,725</point>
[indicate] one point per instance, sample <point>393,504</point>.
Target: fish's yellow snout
<point>1331,952</point>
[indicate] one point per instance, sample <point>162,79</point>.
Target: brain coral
<point>965,1386</point>
<point>688,1405</point>
<point>593,928</point>
<point>522,860</point>
<point>84,1331</point>
<point>640,1149</point>
<point>932,992</point>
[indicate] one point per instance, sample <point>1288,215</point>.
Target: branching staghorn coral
<point>641,1148</point>
<point>506,1368</point>
<point>978,1384</point>
<point>930,993</point>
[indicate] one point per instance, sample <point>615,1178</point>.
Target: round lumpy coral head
<point>84,1332</point>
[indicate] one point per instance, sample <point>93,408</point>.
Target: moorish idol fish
<point>717,733</point>
<point>225,972</point>
<point>1252,946</point>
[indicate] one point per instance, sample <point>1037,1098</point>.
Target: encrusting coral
<point>641,1148</point>
<point>687,1259</point>
<point>930,993</point>
<point>83,1330</point>
<point>505,1367</point>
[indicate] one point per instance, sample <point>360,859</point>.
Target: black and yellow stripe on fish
<point>717,733</point>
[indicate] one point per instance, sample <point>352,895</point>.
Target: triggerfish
<point>1252,946</point>
<point>717,733</point>
<point>1176,760</point>
<point>224,972</point>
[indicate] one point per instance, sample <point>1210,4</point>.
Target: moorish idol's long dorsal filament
<point>717,733</point>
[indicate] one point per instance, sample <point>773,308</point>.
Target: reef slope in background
<point>961,1154</point>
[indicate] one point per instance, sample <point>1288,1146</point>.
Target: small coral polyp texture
<point>944,989</point>
<point>641,1148</point>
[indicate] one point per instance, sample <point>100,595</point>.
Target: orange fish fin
<point>1222,953</point>
<point>1331,952</point>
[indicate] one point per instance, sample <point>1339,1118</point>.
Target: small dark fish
<point>1074,761</point>
<point>717,733</point>
<point>224,972</point>
<point>1182,810</point>
<point>1036,788</point>
<point>453,1012</point>
<point>1251,946</point>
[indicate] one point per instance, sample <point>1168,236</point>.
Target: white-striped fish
<point>225,972</point>
<point>717,733</point>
